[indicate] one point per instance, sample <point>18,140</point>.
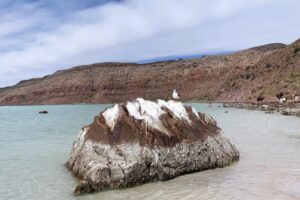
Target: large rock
<point>142,141</point>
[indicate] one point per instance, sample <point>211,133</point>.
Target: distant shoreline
<point>290,108</point>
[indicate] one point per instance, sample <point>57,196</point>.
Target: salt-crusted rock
<point>142,141</point>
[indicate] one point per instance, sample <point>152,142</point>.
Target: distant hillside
<point>264,72</point>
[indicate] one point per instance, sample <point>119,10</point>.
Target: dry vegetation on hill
<point>261,73</point>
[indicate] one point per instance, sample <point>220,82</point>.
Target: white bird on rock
<point>175,95</point>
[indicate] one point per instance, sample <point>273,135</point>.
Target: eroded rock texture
<point>142,141</point>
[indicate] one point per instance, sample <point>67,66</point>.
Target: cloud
<point>39,38</point>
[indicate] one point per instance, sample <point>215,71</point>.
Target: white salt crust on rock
<point>148,111</point>
<point>143,141</point>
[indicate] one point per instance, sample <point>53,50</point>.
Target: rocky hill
<point>260,73</point>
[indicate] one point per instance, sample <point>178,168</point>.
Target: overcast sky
<point>39,37</point>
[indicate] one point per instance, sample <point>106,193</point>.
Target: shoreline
<point>291,109</point>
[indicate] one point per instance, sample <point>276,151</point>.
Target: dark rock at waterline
<point>43,112</point>
<point>260,98</point>
<point>279,95</point>
<point>142,141</point>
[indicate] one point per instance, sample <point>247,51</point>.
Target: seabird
<point>175,95</point>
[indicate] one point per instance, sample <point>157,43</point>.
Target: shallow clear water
<point>34,148</point>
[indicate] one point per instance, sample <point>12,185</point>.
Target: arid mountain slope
<point>242,76</point>
<point>273,76</point>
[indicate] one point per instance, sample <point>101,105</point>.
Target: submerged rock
<point>142,141</point>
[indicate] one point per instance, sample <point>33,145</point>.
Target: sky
<point>39,37</point>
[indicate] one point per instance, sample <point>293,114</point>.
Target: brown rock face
<point>243,76</point>
<point>142,141</point>
<point>128,130</point>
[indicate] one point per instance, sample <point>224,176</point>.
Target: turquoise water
<point>34,148</point>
